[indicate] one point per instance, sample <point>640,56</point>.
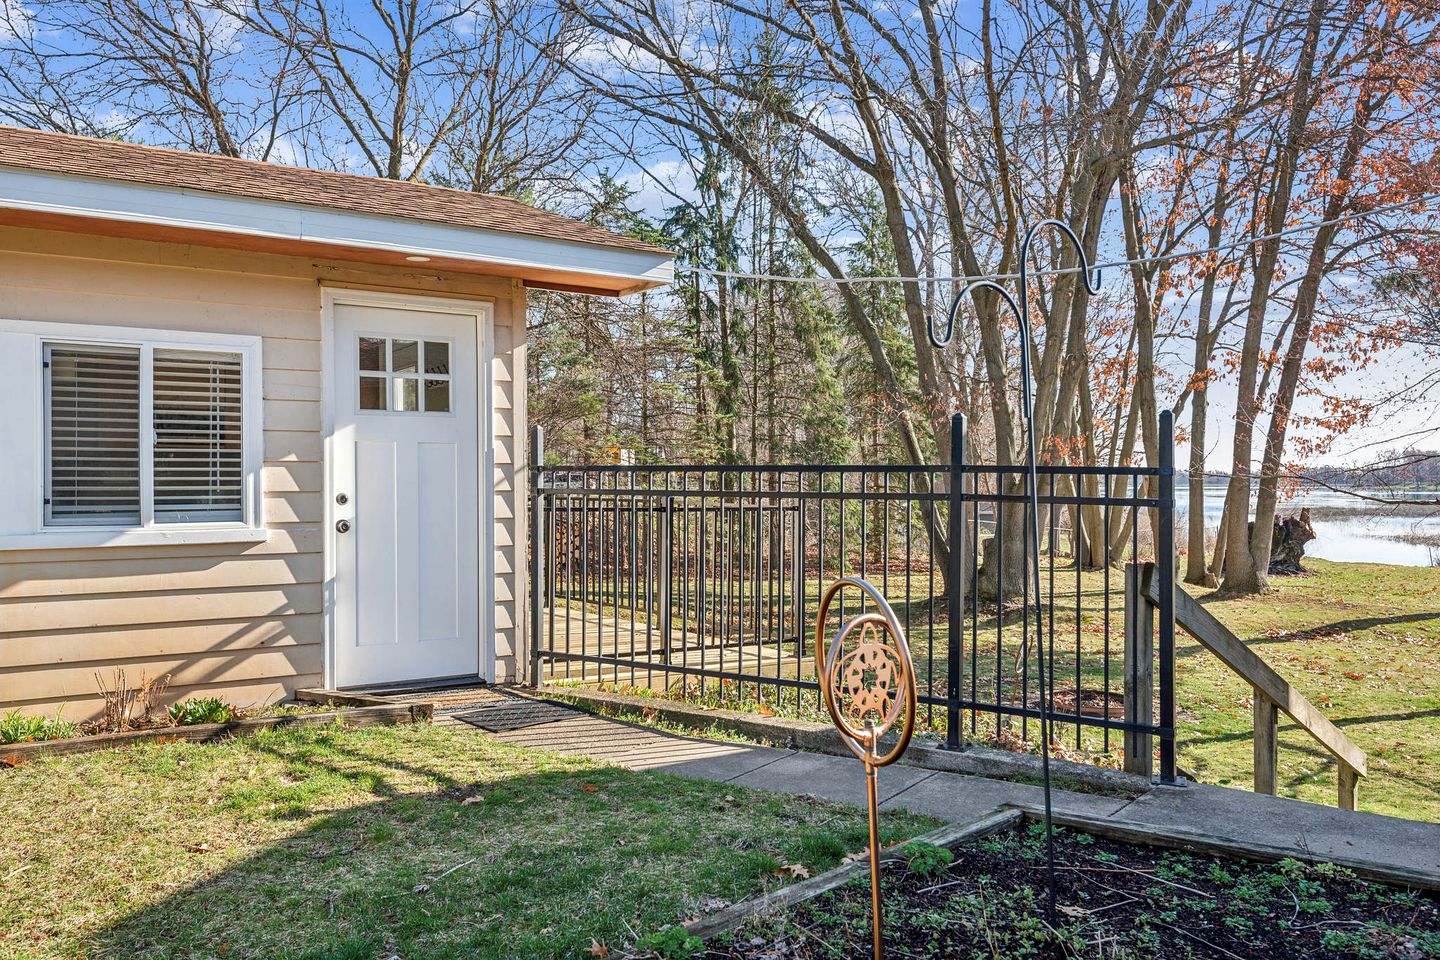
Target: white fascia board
<point>66,195</point>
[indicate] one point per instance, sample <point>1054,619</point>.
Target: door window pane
<point>372,393</point>
<point>407,394</point>
<point>405,356</point>
<point>437,396</point>
<point>437,357</point>
<point>372,353</point>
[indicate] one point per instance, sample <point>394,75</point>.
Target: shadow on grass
<point>1246,734</point>
<point>428,862</point>
<point>1189,647</point>
<point>1353,625</point>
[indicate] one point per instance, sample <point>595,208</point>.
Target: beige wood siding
<point>510,483</point>
<point>244,621</point>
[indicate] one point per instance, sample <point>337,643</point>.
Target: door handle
<point>342,526</point>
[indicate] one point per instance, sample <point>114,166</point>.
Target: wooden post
<point>1139,671</point>
<point>1267,716</point>
<point>1349,786</point>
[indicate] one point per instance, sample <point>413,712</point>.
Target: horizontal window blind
<point>198,405</point>
<point>93,427</point>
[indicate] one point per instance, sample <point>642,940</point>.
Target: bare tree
<point>1349,101</point>
<point>178,72</point>
<point>528,121</point>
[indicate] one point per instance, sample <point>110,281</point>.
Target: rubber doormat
<point>514,714</point>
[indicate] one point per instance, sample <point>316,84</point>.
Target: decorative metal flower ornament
<point>869,687</point>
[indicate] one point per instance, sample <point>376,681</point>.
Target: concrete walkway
<point>1270,827</point>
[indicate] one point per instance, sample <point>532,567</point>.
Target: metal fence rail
<point>707,578</point>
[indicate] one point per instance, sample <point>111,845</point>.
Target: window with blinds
<point>198,407</point>
<point>93,435</point>
<point>141,435</point>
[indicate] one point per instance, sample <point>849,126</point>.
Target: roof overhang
<point>52,201</point>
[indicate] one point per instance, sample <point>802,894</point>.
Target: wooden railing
<point>1272,692</point>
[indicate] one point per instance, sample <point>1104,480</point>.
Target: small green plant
<point>926,859</point>
<point>672,943</point>
<point>202,710</point>
<point>17,728</point>
<point>1345,942</point>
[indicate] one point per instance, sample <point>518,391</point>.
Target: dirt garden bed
<point>311,707</point>
<point>1116,899</point>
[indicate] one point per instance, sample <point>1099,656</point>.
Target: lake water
<point>1348,529</point>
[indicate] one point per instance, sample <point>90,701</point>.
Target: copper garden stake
<point>868,690</point>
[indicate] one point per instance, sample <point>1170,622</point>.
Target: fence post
<point>1349,786</point>
<point>955,582</point>
<point>797,582</point>
<point>1165,561</point>
<point>1139,672</point>
<point>1266,746</point>
<point>537,549</point>
<point>667,540</point>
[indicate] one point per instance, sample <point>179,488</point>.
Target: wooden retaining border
<point>1005,817</point>
<point>733,917</point>
<point>1173,837</point>
<point>355,710</point>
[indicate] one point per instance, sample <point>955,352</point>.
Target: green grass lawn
<point>1362,642</point>
<point>418,842</point>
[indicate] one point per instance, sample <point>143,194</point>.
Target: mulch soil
<point>1113,900</point>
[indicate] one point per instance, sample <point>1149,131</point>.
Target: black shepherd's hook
<point>1021,311</point>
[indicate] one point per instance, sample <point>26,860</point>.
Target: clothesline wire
<point>1114,264</point>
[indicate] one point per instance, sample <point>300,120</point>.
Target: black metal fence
<point>706,579</point>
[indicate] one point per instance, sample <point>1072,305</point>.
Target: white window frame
<point>250,528</point>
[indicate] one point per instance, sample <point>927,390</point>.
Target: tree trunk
<point>1242,574</point>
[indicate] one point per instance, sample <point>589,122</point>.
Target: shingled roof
<point>158,167</point>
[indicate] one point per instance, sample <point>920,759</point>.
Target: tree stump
<point>1287,543</point>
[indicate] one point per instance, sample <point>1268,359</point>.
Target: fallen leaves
<point>597,949</point>
<point>796,871</point>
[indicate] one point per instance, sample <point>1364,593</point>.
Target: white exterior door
<point>405,454</point>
